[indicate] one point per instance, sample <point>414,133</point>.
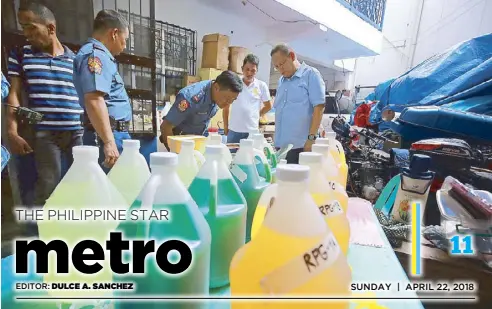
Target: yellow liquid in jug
<point>335,218</point>
<point>339,158</point>
<point>73,231</point>
<point>275,264</point>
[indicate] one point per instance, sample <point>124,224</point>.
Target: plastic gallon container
<point>244,171</point>
<point>189,162</point>
<point>85,186</point>
<point>325,199</point>
<point>294,252</point>
<point>131,172</point>
<point>166,193</point>
<point>224,208</point>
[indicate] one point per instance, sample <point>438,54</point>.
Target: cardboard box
<point>190,79</point>
<point>236,58</point>
<point>215,54</point>
<point>208,74</point>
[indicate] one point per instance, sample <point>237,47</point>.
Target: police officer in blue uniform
<point>196,104</point>
<point>107,109</point>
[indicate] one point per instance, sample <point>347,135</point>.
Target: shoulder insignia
<point>183,105</point>
<point>94,64</point>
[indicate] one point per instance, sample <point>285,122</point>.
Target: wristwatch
<point>311,137</point>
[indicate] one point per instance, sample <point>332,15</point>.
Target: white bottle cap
<point>188,142</point>
<point>88,152</point>
<point>131,143</point>
<point>292,172</point>
<point>258,136</point>
<point>320,148</point>
<point>215,138</point>
<point>331,135</point>
<point>213,150</point>
<point>306,158</point>
<point>254,131</point>
<point>246,142</point>
<point>323,141</point>
<point>282,161</point>
<point>163,159</point>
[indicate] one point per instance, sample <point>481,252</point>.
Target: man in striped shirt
<point>44,71</point>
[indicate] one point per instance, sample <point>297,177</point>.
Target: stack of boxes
<point>218,56</point>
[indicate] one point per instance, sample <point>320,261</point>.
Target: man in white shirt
<point>254,101</point>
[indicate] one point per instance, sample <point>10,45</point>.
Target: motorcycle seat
<point>424,122</point>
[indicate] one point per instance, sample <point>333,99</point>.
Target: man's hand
<point>18,145</point>
<point>308,145</point>
<point>111,154</point>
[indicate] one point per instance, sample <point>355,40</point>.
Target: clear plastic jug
<point>415,183</point>
<point>85,186</point>
<point>216,139</point>
<point>189,162</point>
<point>294,252</point>
<point>243,168</point>
<point>325,199</point>
<point>131,172</point>
<point>336,147</point>
<point>332,174</point>
<point>166,192</point>
<point>225,209</point>
<point>338,154</point>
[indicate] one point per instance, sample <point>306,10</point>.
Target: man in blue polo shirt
<point>43,70</point>
<point>299,103</point>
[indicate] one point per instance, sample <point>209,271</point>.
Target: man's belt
<point>116,125</point>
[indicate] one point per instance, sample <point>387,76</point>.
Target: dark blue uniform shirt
<point>193,109</point>
<point>95,69</point>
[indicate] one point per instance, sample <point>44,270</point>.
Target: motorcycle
<point>374,158</point>
<point>369,162</point>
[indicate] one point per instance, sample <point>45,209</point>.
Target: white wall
<point>446,23</point>
<point>400,21</point>
<point>443,24</point>
<point>206,19</point>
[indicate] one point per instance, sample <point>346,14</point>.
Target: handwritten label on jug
<point>338,148</point>
<point>303,268</point>
<point>332,185</point>
<point>238,173</point>
<point>332,209</point>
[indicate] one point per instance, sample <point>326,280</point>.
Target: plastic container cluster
<point>261,238</point>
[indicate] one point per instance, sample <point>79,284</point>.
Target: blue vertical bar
<point>417,239</point>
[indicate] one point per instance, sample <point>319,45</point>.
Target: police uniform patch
<point>183,105</point>
<point>94,64</point>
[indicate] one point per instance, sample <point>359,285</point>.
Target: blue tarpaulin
<point>462,75</point>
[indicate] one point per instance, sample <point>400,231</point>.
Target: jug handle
<point>148,197</point>
<point>199,157</point>
<point>266,165</point>
<point>271,156</point>
<point>265,199</point>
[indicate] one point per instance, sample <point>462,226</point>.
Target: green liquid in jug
<point>182,225</point>
<point>252,188</point>
<point>228,224</point>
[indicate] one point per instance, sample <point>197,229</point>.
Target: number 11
<point>456,245</point>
